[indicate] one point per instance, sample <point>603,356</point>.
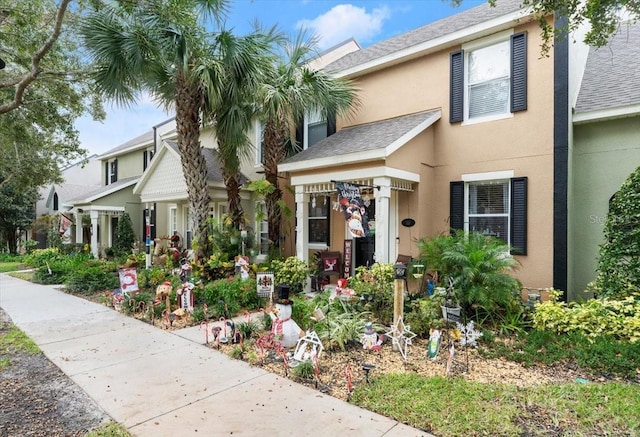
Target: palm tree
<point>244,63</point>
<point>291,90</point>
<point>165,50</point>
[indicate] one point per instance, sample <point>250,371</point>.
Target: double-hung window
<point>262,225</point>
<point>317,129</point>
<point>147,156</point>
<point>494,206</point>
<point>319,220</point>
<point>111,172</point>
<point>489,78</point>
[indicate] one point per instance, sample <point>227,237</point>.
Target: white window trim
<point>469,47</point>
<point>258,227</point>
<point>173,219</point>
<point>311,117</point>
<point>257,138</point>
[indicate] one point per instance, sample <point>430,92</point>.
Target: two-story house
<point>463,125</point>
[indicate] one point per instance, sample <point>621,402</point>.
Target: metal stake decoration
<point>401,336</point>
<point>468,334</point>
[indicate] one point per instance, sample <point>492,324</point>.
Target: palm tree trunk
<point>232,184</point>
<point>274,137</point>
<point>188,105</point>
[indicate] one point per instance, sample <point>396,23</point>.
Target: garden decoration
<point>222,336</point>
<point>118,299</point>
<point>185,269</point>
<point>343,292</point>
<point>452,353</point>
<point>309,348</point>
<point>399,281</point>
<point>367,368</point>
<point>242,266</point>
<point>451,309</point>
<point>206,331</point>
<point>348,374</point>
<point>468,334</point>
<point>185,296</point>
<point>433,346</point>
<point>128,280</point>
<point>283,327</point>
<point>162,293</point>
<point>264,282</point>
<point>370,339</point>
<point>401,337</point>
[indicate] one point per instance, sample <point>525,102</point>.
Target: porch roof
<point>103,191</point>
<point>361,143</point>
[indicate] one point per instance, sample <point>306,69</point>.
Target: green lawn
<point>455,407</point>
<point>10,266</point>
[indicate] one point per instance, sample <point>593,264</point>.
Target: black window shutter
<point>106,173</point>
<point>456,205</point>
<point>519,216</point>
<point>115,170</point>
<point>300,133</point>
<point>331,124</point>
<point>456,84</point>
<point>145,213</point>
<point>145,157</point>
<point>518,72</point>
<point>153,222</point>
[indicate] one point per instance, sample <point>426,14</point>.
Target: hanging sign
<point>348,244</point>
<point>353,209</point>
<point>264,282</point>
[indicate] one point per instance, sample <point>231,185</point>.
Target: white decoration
<point>309,348</point>
<point>401,336</point>
<point>468,334</point>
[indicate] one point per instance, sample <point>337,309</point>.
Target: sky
<point>367,21</point>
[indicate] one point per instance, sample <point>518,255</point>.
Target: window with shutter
<point>492,207</point>
<point>488,79</point>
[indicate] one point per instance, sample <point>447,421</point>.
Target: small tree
<point>619,258</point>
<point>125,236</point>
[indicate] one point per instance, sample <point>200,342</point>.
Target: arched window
<point>55,201</point>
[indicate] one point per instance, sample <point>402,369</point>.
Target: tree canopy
<point>42,90</point>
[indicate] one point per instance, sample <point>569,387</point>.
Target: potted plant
<point>451,307</point>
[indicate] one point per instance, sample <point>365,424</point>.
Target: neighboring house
<point>79,179</point>
<point>606,146</point>
<point>121,168</point>
<point>463,125</point>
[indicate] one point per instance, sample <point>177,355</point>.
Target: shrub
<point>90,279</point>
<point>40,257</point>
<point>374,285</point>
<point>125,237</point>
<point>619,257</point>
<point>228,296</point>
<point>291,271</point>
<point>425,314</point>
<point>480,267</point>
<point>619,319</point>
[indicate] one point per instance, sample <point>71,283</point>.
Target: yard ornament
<point>242,266</point>
<point>285,330</point>
<point>401,336</point>
<point>435,336</point>
<point>370,339</point>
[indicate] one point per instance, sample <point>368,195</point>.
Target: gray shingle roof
<point>214,171</point>
<point>363,137</point>
<point>612,74</point>
<point>140,139</point>
<point>437,29</point>
<point>95,193</point>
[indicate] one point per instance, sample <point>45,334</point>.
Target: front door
<point>365,248</point>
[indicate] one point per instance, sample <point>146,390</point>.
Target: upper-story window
<point>489,78</point>
<point>147,156</point>
<point>317,128</point>
<point>111,172</point>
<point>258,142</point>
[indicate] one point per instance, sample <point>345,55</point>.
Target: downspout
<point>560,153</point>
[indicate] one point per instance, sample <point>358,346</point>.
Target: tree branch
<point>35,71</point>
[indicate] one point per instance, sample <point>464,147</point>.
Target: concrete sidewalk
<point>161,384</point>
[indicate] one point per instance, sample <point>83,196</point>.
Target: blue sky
<point>368,21</point>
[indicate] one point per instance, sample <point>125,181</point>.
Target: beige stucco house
<point>463,125</point>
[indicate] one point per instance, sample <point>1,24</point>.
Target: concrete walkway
<point>159,384</point>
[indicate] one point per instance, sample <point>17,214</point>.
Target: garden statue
<point>242,266</point>
<point>434,343</point>
<point>344,292</point>
<point>370,339</point>
<point>285,330</point>
<point>162,293</point>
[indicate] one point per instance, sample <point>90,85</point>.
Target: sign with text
<point>348,245</point>
<point>264,282</point>
<point>353,209</point>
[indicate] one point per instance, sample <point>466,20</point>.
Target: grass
<point>25,276</point>
<point>10,266</point>
<point>110,429</point>
<point>454,407</point>
<point>13,340</point>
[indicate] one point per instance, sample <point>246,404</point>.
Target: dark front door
<point>364,251</point>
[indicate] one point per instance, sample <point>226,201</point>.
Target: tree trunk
<point>274,137</point>
<point>188,105</point>
<point>232,184</point>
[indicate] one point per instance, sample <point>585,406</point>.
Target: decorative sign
<point>309,348</point>
<point>65,229</point>
<point>348,245</point>
<point>128,280</point>
<point>265,284</point>
<point>353,208</point>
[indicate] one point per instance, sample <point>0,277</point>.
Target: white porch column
<point>95,250</point>
<point>302,224</point>
<point>383,231</point>
<point>78,227</point>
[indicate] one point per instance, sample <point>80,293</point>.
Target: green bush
<point>374,285</point>
<point>480,268</point>
<point>619,319</point>
<point>619,257</point>
<point>125,237</point>
<point>424,314</point>
<point>291,271</point>
<point>90,279</point>
<point>40,257</point>
<point>228,296</point>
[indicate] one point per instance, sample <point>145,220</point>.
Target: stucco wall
<point>605,153</point>
<point>522,143</point>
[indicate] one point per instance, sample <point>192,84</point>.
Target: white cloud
<point>346,21</point>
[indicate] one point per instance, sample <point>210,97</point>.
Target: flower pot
<point>451,314</point>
